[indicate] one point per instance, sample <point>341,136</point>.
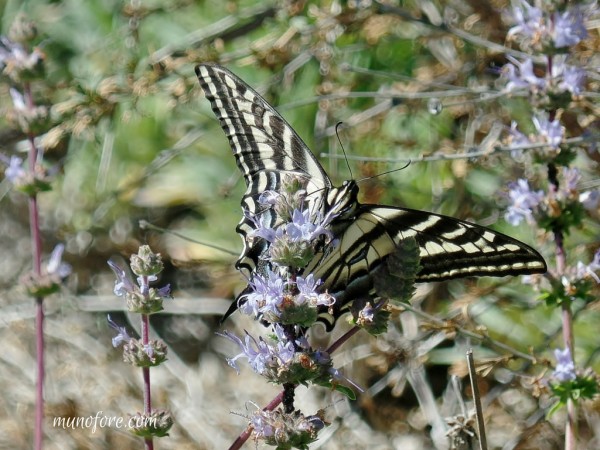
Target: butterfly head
<point>342,201</point>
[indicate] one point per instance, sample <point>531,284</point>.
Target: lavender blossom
<point>552,132</point>
<point>266,296</point>
<point>305,228</point>
<point>140,297</point>
<point>529,21</point>
<point>56,267</point>
<point>124,283</point>
<point>569,78</point>
<point>122,336</point>
<point>589,270</point>
<point>263,228</point>
<point>524,202</point>
<point>308,292</point>
<point>260,355</point>
<point>269,198</point>
<point>16,61</point>
<point>568,28</point>
<point>15,171</point>
<point>520,76</point>
<point>565,367</point>
<point>571,177</point>
<point>590,199</point>
<point>563,28</point>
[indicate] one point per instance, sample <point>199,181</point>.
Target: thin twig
<point>145,225</point>
<point>477,400</point>
<point>476,153</point>
<point>464,332</point>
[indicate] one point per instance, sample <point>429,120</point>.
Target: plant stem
<point>36,250</point>
<point>567,315</point>
<point>148,443</point>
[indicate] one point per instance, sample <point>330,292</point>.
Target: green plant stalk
<point>567,315</point>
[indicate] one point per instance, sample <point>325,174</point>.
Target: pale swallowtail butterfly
<point>266,148</point>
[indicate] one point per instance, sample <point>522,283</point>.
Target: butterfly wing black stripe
<point>449,248</point>
<point>265,147</point>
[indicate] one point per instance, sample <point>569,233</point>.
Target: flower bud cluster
<point>140,297</point>
<point>51,277</point>
<point>293,430</point>
<point>157,424</point>
<point>568,383</point>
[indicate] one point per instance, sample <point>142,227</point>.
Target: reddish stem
<point>242,438</point>
<point>148,443</point>
<point>36,256</point>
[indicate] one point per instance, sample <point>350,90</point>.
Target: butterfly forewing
<point>266,148</point>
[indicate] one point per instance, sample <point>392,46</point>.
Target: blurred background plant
<point>132,139</point>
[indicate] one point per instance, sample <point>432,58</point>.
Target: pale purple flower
<point>149,350</point>
<point>13,54</point>
<point>367,314</point>
<point>17,99</point>
<point>15,170</point>
<point>568,28</point>
<point>144,281</point>
<point>571,177</point>
<point>565,368</point>
<point>255,351</point>
<point>312,423</point>
<point>261,424</point>
<point>165,291</point>
<point>266,295</point>
<point>517,141</point>
<point>263,228</point>
<point>285,348</point>
<point>590,199</point>
<point>304,228</point>
<point>268,197</point>
<point>529,20</point>
<point>122,335</point>
<point>261,355</point>
<point>571,78</point>
<point>552,132</point>
<point>520,75</point>
<point>589,270</point>
<point>124,283</point>
<point>307,288</point>
<point>595,264</point>
<point>55,265</point>
<point>524,201</point>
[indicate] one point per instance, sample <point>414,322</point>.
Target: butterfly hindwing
<point>448,248</point>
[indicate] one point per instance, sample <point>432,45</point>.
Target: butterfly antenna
<point>337,126</point>
<point>385,173</point>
